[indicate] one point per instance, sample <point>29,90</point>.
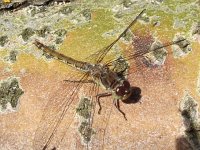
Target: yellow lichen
<point>7,1</point>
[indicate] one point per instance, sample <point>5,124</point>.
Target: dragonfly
<point>98,74</point>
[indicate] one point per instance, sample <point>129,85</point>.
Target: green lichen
<point>27,33</point>
<point>120,66</point>
<point>84,111</point>
<point>10,93</point>
<point>66,10</point>
<point>87,14</point>
<point>196,29</point>
<point>60,32</point>
<point>159,53</point>
<point>156,55</point>
<point>43,31</point>
<point>181,48</point>
<point>36,10</point>
<point>12,56</point>
<point>128,36</point>
<point>146,19</point>
<point>84,108</point>
<point>86,131</point>
<point>184,46</point>
<point>189,112</point>
<point>59,40</point>
<point>118,15</point>
<point>127,3</point>
<point>3,40</point>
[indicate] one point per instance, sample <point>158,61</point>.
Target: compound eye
<point>126,84</point>
<point>123,89</point>
<point>120,91</point>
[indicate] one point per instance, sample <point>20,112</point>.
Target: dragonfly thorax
<point>108,79</point>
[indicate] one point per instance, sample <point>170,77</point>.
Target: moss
<point>10,93</point>
<point>86,131</point>
<point>27,33</point>
<point>84,108</point>
<point>3,40</point>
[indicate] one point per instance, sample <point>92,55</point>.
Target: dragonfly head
<point>123,90</point>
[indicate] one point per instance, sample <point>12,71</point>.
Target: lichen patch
<point>190,114</point>
<point>84,111</point>
<point>10,93</point>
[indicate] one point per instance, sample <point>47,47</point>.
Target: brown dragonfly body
<point>100,73</point>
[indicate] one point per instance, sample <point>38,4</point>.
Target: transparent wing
<point>145,52</point>
<point>99,122</point>
<point>98,56</point>
<point>60,109</point>
<point>58,115</point>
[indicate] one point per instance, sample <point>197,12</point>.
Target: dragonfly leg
<point>76,81</point>
<point>98,96</point>
<point>116,103</point>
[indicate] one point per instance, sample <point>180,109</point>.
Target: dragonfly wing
<point>149,52</point>
<point>58,115</point>
<point>101,124</point>
<point>143,53</point>
<point>98,56</point>
<point>60,111</point>
<point>94,130</point>
<point>136,52</point>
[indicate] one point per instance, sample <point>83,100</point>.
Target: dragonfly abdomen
<point>68,60</point>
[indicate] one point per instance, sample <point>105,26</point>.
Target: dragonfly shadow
<point>135,96</point>
<point>183,144</point>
